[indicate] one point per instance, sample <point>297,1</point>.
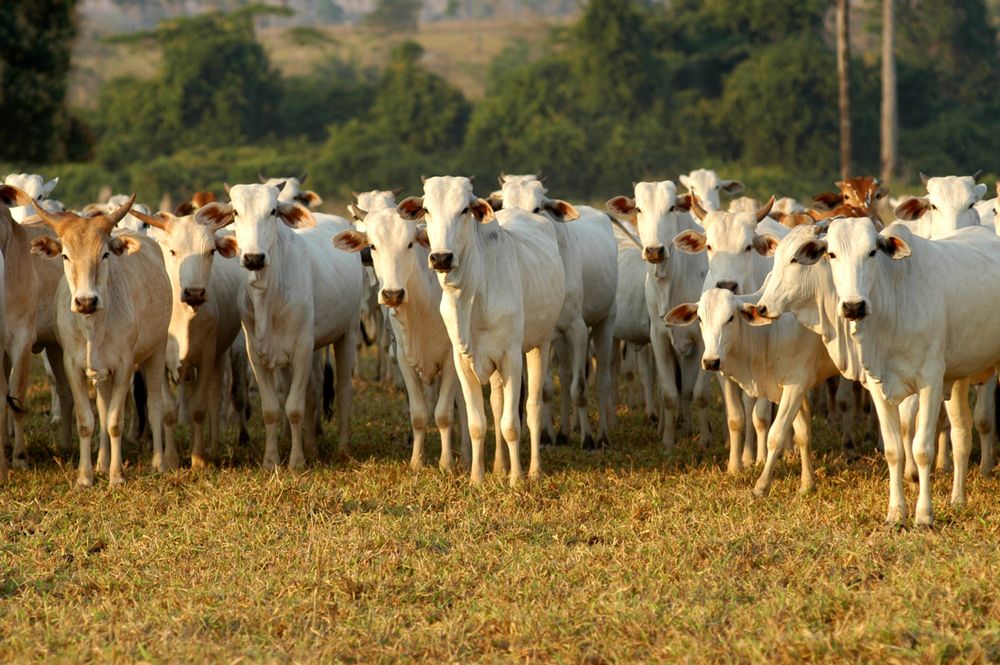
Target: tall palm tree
<point>844,80</point>
<point>890,118</point>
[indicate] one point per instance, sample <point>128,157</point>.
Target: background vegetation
<point>627,90</point>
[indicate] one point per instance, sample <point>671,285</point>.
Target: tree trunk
<point>844,80</point>
<point>890,118</point>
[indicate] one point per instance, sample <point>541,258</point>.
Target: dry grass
<point>618,555</point>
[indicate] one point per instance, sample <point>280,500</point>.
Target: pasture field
<point>614,556</point>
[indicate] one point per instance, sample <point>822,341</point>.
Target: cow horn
<point>360,213</point>
<point>696,208</point>
<point>260,175</point>
<point>503,177</point>
<point>540,177</point>
<point>355,195</point>
<point>117,215</point>
<point>766,210</point>
<point>923,178</point>
<point>977,175</point>
<point>47,217</point>
<point>397,191</point>
<point>423,179</point>
<point>472,180</point>
<point>225,186</point>
<point>302,178</point>
<point>160,221</point>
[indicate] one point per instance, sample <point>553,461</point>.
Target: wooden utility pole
<point>890,117</point>
<point>844,79</point>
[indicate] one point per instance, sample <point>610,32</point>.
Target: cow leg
<point>55,411</point>
<point>4,466</point>
<point>115,392</point>
<point>295,402</point>
<point>646,368</point>
<point>666,366</point>
<point>496,406</point>
<point>792,397</point>
<point>270,409</point>
<point>845,407</point>
<point>961,438</point>
<point>103,445</point>
<point>942,458</point>
<point>908,425</point>
<point>418,413</point>
<point>472,391</point>
<point>889,424</point>
<point>761,423</point>
<point>214,399</point>
<point>510,421</point>
<point>802,426</point>
<point>985,416</point>
<point>199,407</point>
<point>311,416</point>
<point>536,361</point>
<point>162,410</point>
<point>463,427</point>
<point>604,351</point>
<point>732,398</point>
<point>55,357</point>
<point>239,362</point>
<point>345,354</point>
<point>549,432</point>
<point>702,397</point>
<point>615,372</point>
<point>565,357</point>
<point>444,412</point>
<point>691,372</point>
<point>17,387</point>
<point>84,423</point>
<point>578,339</point>
<point>749,432</point>
<point>923,449</point>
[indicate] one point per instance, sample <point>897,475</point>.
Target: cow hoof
<point>171,463</point>
<point>116,479</point>
<point>545,439</point>
<point>447,466</point>
<point>244,438</point>
<point>476,479</point>
<point>198,462</point>
<point>157,463</point>
<point>515,481</point>
<point>588,443</point>
<point>603,442</point>
<point>416,464</point>
<point>20,462</point>
<point>562,439</point>
<point>297,464</point>
<point>270,464</point>
<point>761,491</point>
<point>806,490</point>
<point>84,480</point>
<point>534,476</point>
<point>958,503</point>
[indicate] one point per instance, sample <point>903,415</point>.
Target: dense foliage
<point>631,90</point>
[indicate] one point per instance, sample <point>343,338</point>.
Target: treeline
<point>629,91</point>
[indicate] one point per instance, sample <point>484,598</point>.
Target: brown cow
<point>112,312</point>
<point>858,193</point>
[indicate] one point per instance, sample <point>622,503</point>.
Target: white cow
<point>205,318</point>
<point>780,363</point>
<point>708,186</point>
<point>589,253</point>
<point>671,279</point>
<point>917,327</point>
<point>412,295</point>
<point>35,187</point>
<point>503,287</point>
<point>291,190</point>
<point>113,309</point>
<point>301,294</point>
<point>949,205</point>
<point>738,246</point>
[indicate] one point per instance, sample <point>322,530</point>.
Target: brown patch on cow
<point>309,198</point>
<point>793,219</point>
<point>482,211</point>
<point>215,215</point>
<point>690,241</point>
<point>227,246</point>
<point>46,246</point>
<point>560,210</point>
<point>683,203</point>
<point>411,208</point>
<point>296,215</point>
<point>350,240</point>
<point>828,200</point>
<point>623,206</point>
<point>13,197</point>
<point>124,244</point>
<point>681,315</point>
<point>912,209</point>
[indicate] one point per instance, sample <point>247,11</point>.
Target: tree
<point>36,41</point>
<point>844,86</point>
<point>394,15</point>
<point>889,116</point>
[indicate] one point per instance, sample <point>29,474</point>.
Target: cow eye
<point>211,252</point>
<point>537,210</point>
<point>274,213</point>
<point>933,207</point>
<point>871,253</point>
<point>466,211</point>
<point>410,246</point>
<point>638,210</point>
<point>708,247</point>
<point>748,248</point>
<point>65,258</point>
<point>832,255</point>
<point>173,253</point>
<point>371,247</point>
<point>794,260</point>
<point>106,255</point>
<point>731,318</point>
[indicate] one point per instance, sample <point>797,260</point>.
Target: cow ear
<point>482,211</point>
<point>420,237</point>
<point>690,241</point>
<point>682,315</point>
<point>215,215</point>
<point>621,205</point>
<point>496,201</point>
<point>893,246</point>
<point>561,211</point>
<point>828,200</point>
<point>12,197</point>
<point>49,186</point>
<point>310,199</point>
<point>980,191</point>
<point>411,208</point>
<point>731,186</point>
<point>810,252</point>
<point>124,244</point>
<point>356,213</point>
<point>350,240</point>
<point>765,244</point>
<point>683,203</point>
<point>46,246</point>
<point>184,209</point>
<point>296,215</point>
<point>227,247</point>
<point>912,209</point>
<point>752,316</point>
<point>777,216</point>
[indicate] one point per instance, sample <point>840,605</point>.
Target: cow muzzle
<point>392,297</point>
<point>253,262</point>
<point>654,254</point>
<point>193,297</point>
<point>85,304</point>
<point>728,285</point>
<point>711,364</point>
<point>854,310</point>
<point>441,261</point>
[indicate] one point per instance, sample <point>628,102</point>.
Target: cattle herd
<point>774,299</point>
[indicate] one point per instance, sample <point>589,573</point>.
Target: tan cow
<point>112,314</point>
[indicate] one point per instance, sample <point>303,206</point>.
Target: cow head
<point>790,285</point>
<point>720,315</point>
<point>369,202</point>
<point>398,251</point>
<point>853,247</point>
<point>528,193</point>
<point>86,246</point>
<point>37,189</point>
<point>656,208</point>
<point>130,222</point>
<point>950,203</point>
<point>198,200</point>
<point>450,209</point>
<point>707,186</point>
<point>189,247</point>
<point>291,190</point>
<point>730,240</point>
<point>257,214</point>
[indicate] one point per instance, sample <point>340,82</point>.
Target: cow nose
<point>762,310</point>
<point>393,297</point>
<point>441,261</point>
<point>729,285</point>
<point>711,364</point>
<point>193,297</point>
<point>86,304</point>
<point>654,254</point>
<point>253,261</point>
<point>854,310</point>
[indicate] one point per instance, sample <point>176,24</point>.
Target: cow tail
<point>329,390</point>
<point>141,398</point>
<point>368,339</point>
<point>996,409</point>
